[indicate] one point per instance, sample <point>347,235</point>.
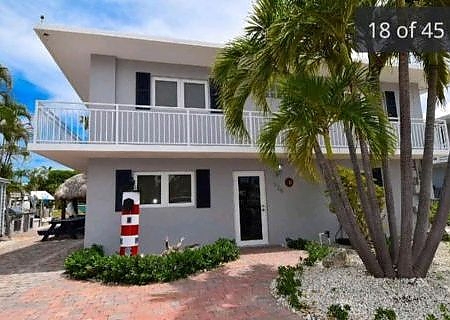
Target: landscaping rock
<point>409,298</point>
<point>336,259</point>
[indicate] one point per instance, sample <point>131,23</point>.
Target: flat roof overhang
<point>72,48</point>
<point>77,156</point>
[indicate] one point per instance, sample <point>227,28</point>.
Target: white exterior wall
<point>126,76</point>
<point>102,79</point>
<point>416,109</point>
<point>299,211</point>
<point>114,81</point>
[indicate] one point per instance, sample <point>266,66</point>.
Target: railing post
<point>446,139</point>
<point>117,123</point>
<point>35,121</point>
<point>250,117</point>
<point>188,127</point>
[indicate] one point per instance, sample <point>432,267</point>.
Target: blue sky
<point>36,75</point>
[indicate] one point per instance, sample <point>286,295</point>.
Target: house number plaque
<point>289,182</point>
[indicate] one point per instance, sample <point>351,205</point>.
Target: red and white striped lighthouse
<point>129,233</point>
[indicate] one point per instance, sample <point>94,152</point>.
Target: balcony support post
<point>250,118</point>
<point>446,140</point>
<point>116,128</point>
<point>188,127</point>
<point>35,120</point>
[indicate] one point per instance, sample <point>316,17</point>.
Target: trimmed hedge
<point>140,270</point>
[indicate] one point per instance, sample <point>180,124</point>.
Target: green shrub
<point>92,264</point>
<point>299,244</point>
<point>433,211</point>
<point>288,283</point>
<point>85,263</point>
<point>385,314</point>
<point>446,237</point>
<point>339,312</point>
<point>351,189</point>
<point>445,313</point>
<point>316,252</point>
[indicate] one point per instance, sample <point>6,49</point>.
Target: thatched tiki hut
<point>73,189</point>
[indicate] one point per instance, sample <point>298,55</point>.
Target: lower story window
<point>164,189</point>
<point>150,186</point>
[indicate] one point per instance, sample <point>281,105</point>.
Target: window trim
<point>165,188</point>
<point>180,91</point>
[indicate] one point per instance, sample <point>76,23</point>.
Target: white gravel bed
<point>409,298</point>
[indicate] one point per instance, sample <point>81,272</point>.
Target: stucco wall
<point>416,110</point>
<point>301,210</point>
<point>102,79</point>
<point>114,81</point>
<point>126,76</point>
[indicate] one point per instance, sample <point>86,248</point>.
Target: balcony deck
<point>112,128</point>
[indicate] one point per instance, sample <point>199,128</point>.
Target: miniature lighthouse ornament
<point>129,231</point>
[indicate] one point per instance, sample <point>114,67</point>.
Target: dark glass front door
<point>250,208</point>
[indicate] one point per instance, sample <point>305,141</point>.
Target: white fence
<point>93,123</point>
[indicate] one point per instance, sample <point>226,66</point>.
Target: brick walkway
<point>32,287</point>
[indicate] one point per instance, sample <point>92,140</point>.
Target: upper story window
<point>183,93</point>
<point>391,105</point>
<point>194,95</point>
<point>166,93</point>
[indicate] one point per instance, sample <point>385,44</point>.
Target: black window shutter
<point>203,188</point>
<point>391,106</point>
<point>143,88</point>
<point>124,182</point>
<point>213,95</point>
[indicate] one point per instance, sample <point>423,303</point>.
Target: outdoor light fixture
<point>278,169</point>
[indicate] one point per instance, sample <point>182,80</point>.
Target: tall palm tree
<point>310,104</point>
<point>286,38</point>
<point>14,134</point>
<point>5,82</point>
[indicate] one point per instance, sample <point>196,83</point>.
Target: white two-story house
<point>150,119</point>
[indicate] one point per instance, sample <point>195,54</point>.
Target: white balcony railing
<point>94,123</point>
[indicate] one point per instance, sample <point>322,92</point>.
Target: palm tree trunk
<point>359,181</point>
<point>377,62</point>
<point>390,208</point>
<point>378,237</point>
<point>371,210</point>
<point>405,252</point>
<point>425,257</point>
<point>420,231</point>
<point>345,214</point>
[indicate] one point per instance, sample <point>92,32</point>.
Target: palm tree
<point>278,44</point>
<point>306,114</point>
<point>5,81</point>
<point>285,39</point>
<point>14,134</point>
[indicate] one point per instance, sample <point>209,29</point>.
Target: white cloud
<point>207,20</point>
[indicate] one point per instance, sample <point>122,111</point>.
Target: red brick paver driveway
<point>32,287</point>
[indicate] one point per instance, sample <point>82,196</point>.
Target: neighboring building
<point>150,114</point>
<point>3,184</point>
